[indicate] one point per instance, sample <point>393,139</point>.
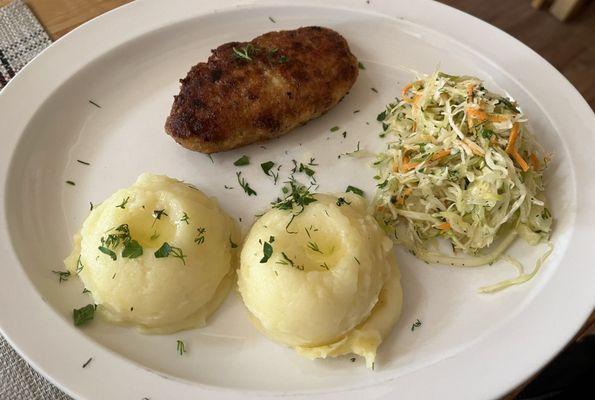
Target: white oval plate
<point>129,61</point>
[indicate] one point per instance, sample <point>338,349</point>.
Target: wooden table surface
<point>570,46</point>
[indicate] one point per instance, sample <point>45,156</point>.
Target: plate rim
<point>9,320</point>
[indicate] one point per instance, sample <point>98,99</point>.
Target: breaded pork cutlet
<point>253,91</point>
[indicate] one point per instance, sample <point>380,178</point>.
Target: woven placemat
<point>21,38</point>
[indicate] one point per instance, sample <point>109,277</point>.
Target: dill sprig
<point>249,191</point>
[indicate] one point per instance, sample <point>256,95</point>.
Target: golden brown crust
<point>290,78</point>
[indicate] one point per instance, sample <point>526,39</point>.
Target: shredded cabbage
<point>460,165</point>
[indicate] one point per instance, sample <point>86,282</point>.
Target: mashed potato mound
<point>159,255</point>
<point>330,285</point>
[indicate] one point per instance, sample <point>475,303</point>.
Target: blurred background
<point>561,31</point>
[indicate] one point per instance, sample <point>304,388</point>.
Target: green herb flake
<point>486,133</point>
<point>85,291</point>
<point>243,160</point>
<point>307,170</point>
<point>132,249</point>
<point>247,189</point>
<point>181,347</point>
<point>107,251</point>
<point>334,129</point>
<point>79,265</point>
<point>283,59</point>
<point>381,117</point>
<point>167,250</point>
<point>267,251</point>
<point>200,238</point>
<point>272,20</point>
<point>266,167</point>
<point>341,201</point>
<point>416,324</point>
<point>83,315</point>
<point>374,90</point>
<point>95,104</point>
<point>71,183</point>
<point>122,205</point>
<point>360,65</point>
<point>83,162</point>
<point>314,247</point>
<point>185,218</point>
<point>355,190</point>
<point>62,275</point>
<point>88,362</point>
<point>244,53</point>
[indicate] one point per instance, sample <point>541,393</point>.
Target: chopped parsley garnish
<point>355,190</point>
<point>267,252</point>
<point>122,205</point>
<point>185,218</point>
<point>314,247</point>
<point>244,53</point>
<point>83,315</point>
<point>181,348</point>
<point>282,59</point>
<point>249,191</point>
<point>62,275</point>
<point>416,324</point>
<point>83,162</point>
<point>381,117</point>
<point>360,65</point>
<point>109,252</point>
<point>71,183</point>
<point>95,104</point>
<point>167,250</point>
<point>243,160</point>
<point>200,238</point>
<point>334,129</point>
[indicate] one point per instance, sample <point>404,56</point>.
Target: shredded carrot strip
<point>470,88</point>
<point>477,114</point>
<point>440,154</point>
<point>407,191</point>
<point>534,161</point>
<point>444,226</point>
<point>409,166</point>
<point>406,89</point>
<point>522,163</point>
<point>498,117</point>
<point>514,133</point>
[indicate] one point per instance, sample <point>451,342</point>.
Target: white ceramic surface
<point>129,61</point>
